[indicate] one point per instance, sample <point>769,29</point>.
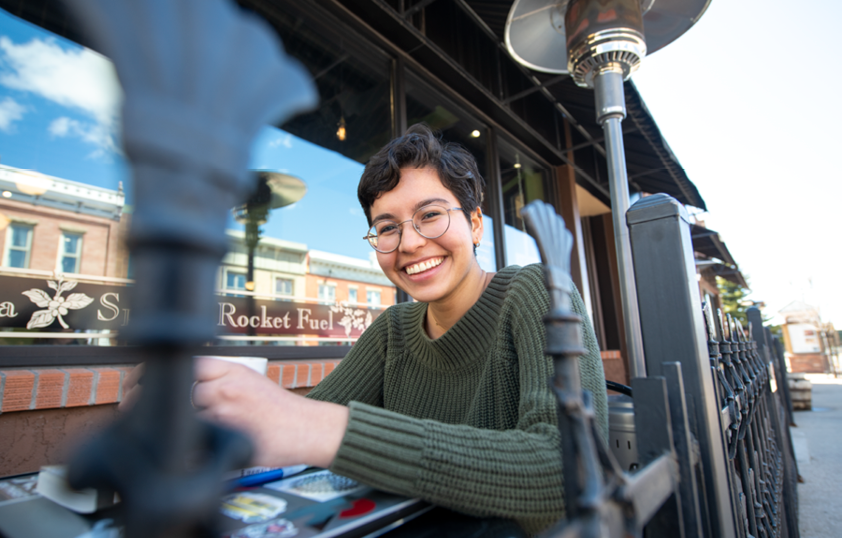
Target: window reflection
<point>65,194</point>
<point>312,251</point>
<point>63,209</point>
<point>19,241</point>
<point>425,104</point>
<point>71,256</point>
<point>523,180</point>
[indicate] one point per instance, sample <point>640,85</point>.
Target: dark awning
<point>715,256</point>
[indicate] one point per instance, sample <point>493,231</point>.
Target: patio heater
<point>600,43</point>
<point>274,191</point>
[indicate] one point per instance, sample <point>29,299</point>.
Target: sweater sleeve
<point>514,473</point>
<point>359,376</point>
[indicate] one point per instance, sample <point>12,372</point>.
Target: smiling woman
<point>445,398</point>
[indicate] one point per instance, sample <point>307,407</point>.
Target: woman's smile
<point>439,271</point>
<point>423,266</point>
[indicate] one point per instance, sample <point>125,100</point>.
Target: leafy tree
<point>734,302</point>
<point>733,299</point>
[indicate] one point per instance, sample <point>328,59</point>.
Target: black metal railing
<point>601,499</point>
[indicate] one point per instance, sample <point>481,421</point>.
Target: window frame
<point>63,254</point>
<point>233,270</point>
<point>291,282</point>
<point>368,294</point>
<point>9,247</point>
<point>326,285</point>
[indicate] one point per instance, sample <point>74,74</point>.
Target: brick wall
<point>809,363</point>
<point>45,412</point>
<point>615,367</point>
<point>27,389</point>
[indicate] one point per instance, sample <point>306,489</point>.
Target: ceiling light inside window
<point>475,133</point>
<point>340,132</point>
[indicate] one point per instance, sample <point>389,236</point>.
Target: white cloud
<point>95,134</point>
<point>10,112</point>
<point>79,79</point>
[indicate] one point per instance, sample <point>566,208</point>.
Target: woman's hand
<point>285,428</point>
<point>131,388</point>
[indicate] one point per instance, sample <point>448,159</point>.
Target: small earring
<point>476,245</point>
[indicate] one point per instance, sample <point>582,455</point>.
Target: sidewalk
<point>818,449</point>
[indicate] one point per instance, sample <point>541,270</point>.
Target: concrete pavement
<point>818,449</point>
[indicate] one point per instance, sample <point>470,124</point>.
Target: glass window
<point>312,234</point>
<point>523,180</point>
<point>283,286</point>
<point>19,243</point>
<point>71,252</point>
<point>352,295</point>
<point>235,280</point>
<point>62,173</point>
<point>327,293</point>
<point>425,104</point>
<point>372,297</point>
<point>51,133</point>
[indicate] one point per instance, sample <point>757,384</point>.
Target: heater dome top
<point>535,33</point>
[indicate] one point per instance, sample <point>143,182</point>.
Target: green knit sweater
<point>466,421</point>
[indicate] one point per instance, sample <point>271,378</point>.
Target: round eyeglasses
<point>431,221</point>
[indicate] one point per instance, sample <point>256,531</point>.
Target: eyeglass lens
<point>430,221</point>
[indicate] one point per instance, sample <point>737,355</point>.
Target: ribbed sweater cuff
<point>381,448</point>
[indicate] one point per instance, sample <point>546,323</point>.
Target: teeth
<point>423,266</point>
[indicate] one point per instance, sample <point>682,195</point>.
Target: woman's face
<point>429,270</point>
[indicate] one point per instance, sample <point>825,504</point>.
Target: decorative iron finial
<point>555,242</point>
<point>720,326</point>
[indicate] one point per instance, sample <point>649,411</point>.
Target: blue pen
<point>267,476</point>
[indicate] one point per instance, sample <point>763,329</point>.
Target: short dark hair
<point>419,147</point>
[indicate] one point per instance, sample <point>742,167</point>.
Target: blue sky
<point>746,101</point>
<point>58,107</point>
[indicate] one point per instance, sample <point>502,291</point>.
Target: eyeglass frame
<point>369,235</point>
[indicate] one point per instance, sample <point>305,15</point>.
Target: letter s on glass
<point>112,307</point>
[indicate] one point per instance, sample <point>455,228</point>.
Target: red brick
<point>288,375</point>
<point>273,372</point>
<point>316,373</point>
<point>17,390</point>
<point>124,371</point>
<point>107,385</point>
<point>302,375</point>
<point>50,389</point>
<point>79,387</point>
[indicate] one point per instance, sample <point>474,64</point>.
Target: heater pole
<point>610,112</point>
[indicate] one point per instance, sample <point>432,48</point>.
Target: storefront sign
<point>56,305</point>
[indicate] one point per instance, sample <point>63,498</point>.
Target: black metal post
<point>673,330</point>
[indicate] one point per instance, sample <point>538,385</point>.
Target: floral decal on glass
<point>352,318</point>
<point>56,306</point>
